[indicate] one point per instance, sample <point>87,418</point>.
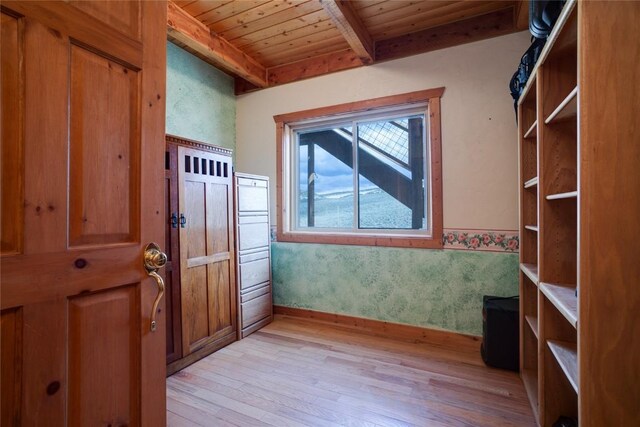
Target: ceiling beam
<point>522,14</point>
<point>350,25</point>
<point>468,30</point>
<point>188,30</point>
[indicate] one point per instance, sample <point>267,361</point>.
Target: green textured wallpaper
<point>201,104</point>
<point>432,288</point>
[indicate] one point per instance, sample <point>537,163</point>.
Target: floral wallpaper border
<point>475,240</point>
<point>481,240</point>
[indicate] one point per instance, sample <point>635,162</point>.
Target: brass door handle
<point>154,259</point>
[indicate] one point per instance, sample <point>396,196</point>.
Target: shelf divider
<point>531,270</point>
<point>531,183</point>
<point>567,195</point>
<point>532,132</point>
<point>564,299</point>
<point>568,108</point>
<point>533,324</point>
<point>567,357</point>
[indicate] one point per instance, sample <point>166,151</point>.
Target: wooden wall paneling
<point>11,134</point>
<point>11,366</point>
<point>104,147</point>
<point>609,199</point>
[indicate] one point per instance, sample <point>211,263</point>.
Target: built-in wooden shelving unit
<point>548,111</point>
<point>579,208</point>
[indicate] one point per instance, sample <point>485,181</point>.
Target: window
<point>365,173</point>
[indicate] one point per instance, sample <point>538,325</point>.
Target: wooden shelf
<point>531,270</point>
<point>532,132</point>
<point>567,195</point>
<point>564,299</point>
<point>531,183</point>
<point>531,228</point>
<point>530,381</point>
<point>567,357</point>
<point>558,38</point>
<point>533,323</point>
<point>568,109</point>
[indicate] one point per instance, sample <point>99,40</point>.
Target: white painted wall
<point>479,146</point>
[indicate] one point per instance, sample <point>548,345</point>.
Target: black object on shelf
<point>566,422</point>
<point>500,332</point>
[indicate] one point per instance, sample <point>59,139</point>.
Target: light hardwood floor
<point>298,372</point>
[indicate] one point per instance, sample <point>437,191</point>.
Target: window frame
<point>432,238</point>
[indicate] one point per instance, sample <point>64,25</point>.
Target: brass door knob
<point>155,259</point>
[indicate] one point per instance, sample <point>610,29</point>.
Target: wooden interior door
<point>82,146</point>
<point>172,248</point>
<point>206,250</point>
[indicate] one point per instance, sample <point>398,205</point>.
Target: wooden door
<point>82,139</point>
<point>172,248</point>
<point>207,276</point>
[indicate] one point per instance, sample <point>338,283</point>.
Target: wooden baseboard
<point>396,331</point>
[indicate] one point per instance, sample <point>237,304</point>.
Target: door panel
<point>97,323</point>
<point>194,307</point>
<point>124,15</point>
<point>194,210</point>
<point>218,218</point>
<point>11,138</point>
<point>221,318</point>
<point>207,281</point>
<point>46,53</point>
<point>104,160</point>
<point>87,132</point>
<point>11,365</point>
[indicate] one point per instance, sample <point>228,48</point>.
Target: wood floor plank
<point>300,372</point>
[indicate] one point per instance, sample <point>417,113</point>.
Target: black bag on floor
<point>501,332</point>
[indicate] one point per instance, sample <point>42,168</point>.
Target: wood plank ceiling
<point>264,43</point>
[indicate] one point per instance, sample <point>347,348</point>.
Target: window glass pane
<point>325,178</point>
<point>391,174</point>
